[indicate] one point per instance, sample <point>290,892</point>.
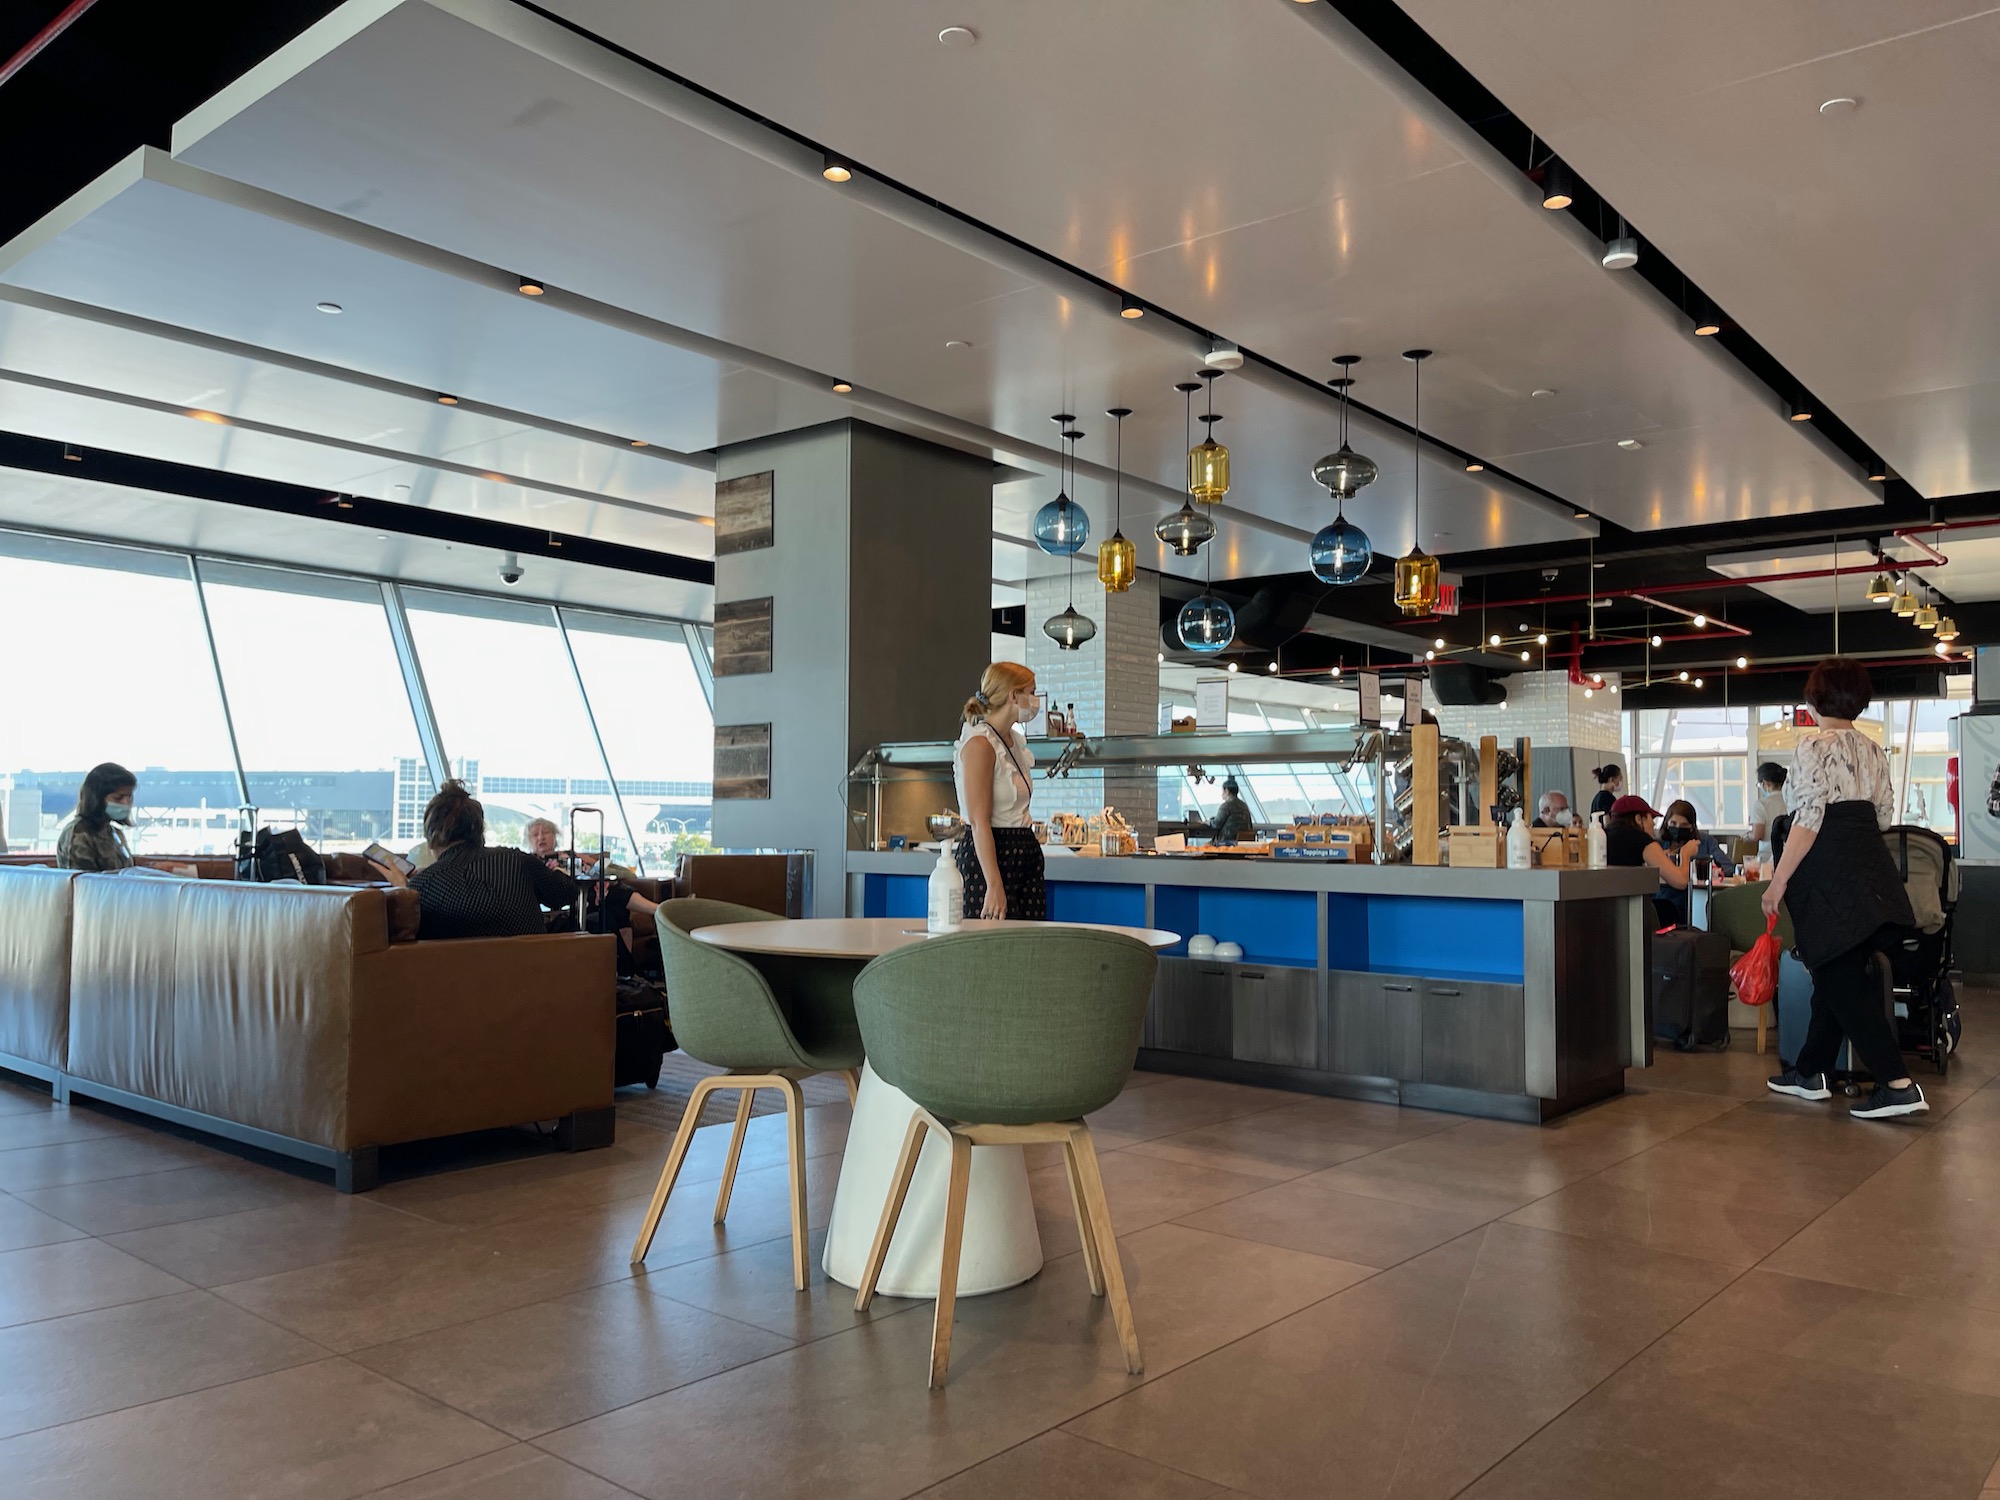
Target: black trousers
<point>1847,1001</point>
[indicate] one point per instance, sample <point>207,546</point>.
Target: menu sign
<point>1211,704</point>
<point>1371,699</point>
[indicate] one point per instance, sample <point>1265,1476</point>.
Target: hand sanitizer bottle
<point>947,891</point>
<point>1597,853</point>
<point>1520,852</point>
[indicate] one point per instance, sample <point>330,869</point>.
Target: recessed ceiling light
<point>639,443</point>
<point>329,307</point>
<point>445,400</point>
<point>1630,444</point>
<point>841,388</point>
<point>960,37</point>
<point>401,489</point>
<point>833,169</point>
<point>1474,466</point>
<point>1541,392</point>
<point>1128,307</point>
<point>531,287</point>
<point>381,536</point>
<point>957,344</point>
<point>1840,106</point>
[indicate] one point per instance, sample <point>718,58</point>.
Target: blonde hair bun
<point>997,684</point>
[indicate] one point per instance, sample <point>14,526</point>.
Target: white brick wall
<point>1114,682</point>
<point>1545,708</point>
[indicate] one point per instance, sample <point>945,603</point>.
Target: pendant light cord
<point>1118,484</point>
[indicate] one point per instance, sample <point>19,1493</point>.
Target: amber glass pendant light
<point>1417,571</point>
<point>1208,460</point>
<point>1117,558</point>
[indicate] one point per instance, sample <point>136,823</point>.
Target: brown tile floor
<point>1694,1290</point>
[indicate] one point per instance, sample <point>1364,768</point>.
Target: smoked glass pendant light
<point>1062,526</point>
<point>1208,460</point>
<point>1187,528</point>
<point>1344,471</point>
<point>1341,552</point>
<point>1070,629</point>
<point>1417,571</point>
<point>1117,558</point>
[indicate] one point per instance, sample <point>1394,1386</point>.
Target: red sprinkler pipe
<point>67,17</point>
<point>1709,584</point>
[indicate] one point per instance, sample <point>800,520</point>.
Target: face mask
<point>1564,817</point>
<point>1025,709</point>
<point>118,812</point>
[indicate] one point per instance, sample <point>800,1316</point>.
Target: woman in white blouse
<point>1844,895</point>
<point>1001,863</point>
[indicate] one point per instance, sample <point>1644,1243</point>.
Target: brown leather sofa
<point>780,883</point>
<point>35,906</point>
<point>285,1017</point>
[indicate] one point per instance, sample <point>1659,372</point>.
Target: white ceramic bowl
<point>1229,951</point>
<point>1201,945</point>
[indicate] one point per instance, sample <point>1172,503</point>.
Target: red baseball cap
<point>1631,804</point>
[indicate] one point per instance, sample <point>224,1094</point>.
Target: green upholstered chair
<point>1007,1038</point>
<point>725,1012</point>
<point>1737,912</point>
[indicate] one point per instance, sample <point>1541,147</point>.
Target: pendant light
<point>1344,472</point>
<point>1207,624</point>
<point>1947,628</point>
<point>1417,572</point>
<point>1905,604</point>
<point>1341,551</point>
<point>1070,630</point>
<point>1062,526</point>
<point>1926,617</point>
<point>1187,528</point>
<point>1208,460</point>
<point>1117,558</point>
<point>1880,589</point>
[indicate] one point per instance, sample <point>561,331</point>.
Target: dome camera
<point>510,569</point>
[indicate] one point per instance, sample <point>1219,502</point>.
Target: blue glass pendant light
<point>1207,624</point>
<point>1062,526</point>
<point>1341,552</point>
<point>1070,630</point>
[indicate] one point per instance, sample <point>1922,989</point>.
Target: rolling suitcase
<point>1691,989</point>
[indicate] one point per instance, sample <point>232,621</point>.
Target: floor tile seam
<point>304,1364</point>
<point>107,1234</point>
<point>49,1187</point>
<point>916,1303</point>
<point>517,1443</point>
<point>1653,1342</point>
<point>1444,1350</point>
<point>95,1135</point>
<point>102,1306</point>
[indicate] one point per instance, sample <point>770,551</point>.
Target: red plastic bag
<point>1755,974</point>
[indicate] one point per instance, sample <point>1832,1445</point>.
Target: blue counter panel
<point>1437,935</point>
<point>895,896</point>
<point>1274,927</point>
<point>1090,901</point>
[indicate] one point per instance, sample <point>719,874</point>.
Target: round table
<point>1002,1245</point>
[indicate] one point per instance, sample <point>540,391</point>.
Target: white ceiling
<point>1853,246</point>
<point>407,163</point>
<point>1971,571</point>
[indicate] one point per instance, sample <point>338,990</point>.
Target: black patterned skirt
<point>1020,857</point>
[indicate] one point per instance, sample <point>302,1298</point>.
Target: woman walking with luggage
<point>1844,895</point>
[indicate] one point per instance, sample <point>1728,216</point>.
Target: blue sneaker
<point>1800,1085</point>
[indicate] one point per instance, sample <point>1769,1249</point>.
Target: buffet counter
<point>1515,994</point>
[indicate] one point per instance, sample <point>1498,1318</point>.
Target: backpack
<point>284,854</point>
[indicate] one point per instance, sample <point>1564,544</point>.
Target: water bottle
<point>947,891</point>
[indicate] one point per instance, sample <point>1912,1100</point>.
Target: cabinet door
<point>1374,1025</point>
<point>1474,1036</point>
<point>1274,1016</point>
<point>1191,1003</point>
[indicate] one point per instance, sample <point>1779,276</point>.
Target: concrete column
<point>1114,681</point>
<point>880,577</point>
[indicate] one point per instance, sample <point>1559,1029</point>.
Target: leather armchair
<point>285,1016</point>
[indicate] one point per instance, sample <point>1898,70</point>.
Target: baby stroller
<point>1926,1007</point>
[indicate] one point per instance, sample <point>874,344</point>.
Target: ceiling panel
<point>1970,575</point>
<point>90,509</point>
<point>1853,246</point>
<point>1313,215</point>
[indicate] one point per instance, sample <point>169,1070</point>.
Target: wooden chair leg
<point>954,1242</point>
<point>683,1138</point>
<point>852,1077</point>
<point>1107,1246</point>
<point>892,1209</point>
<point>795,1120</point>
<point>1093,1264</point>
<point>744,1098</point>
<point>1762,1021</point>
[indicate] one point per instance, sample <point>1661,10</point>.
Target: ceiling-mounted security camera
<point>510,569</point>
<point>1225,357</point>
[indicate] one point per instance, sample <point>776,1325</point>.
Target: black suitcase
<point>643,1034</point>
<point>1691,989</point>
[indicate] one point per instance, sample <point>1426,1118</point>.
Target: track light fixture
<point>1128,307</point>
<point>1800,410</point>
<point>531,287</point>
<point>1707,321</point>
<point>833,169</point>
